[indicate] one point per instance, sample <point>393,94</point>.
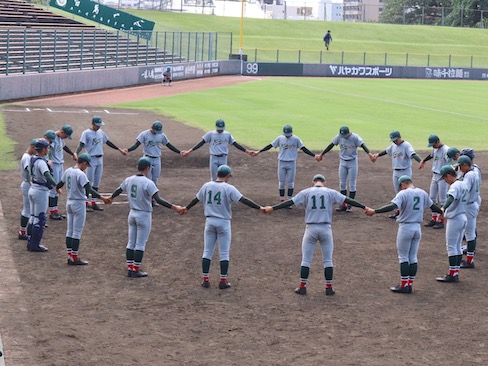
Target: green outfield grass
<point>255,112</point>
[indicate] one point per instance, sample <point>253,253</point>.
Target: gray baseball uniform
<point>140,190</point>
<point>218,148</point>
<point>75,181</point>
<point>318,203</point>
<point>25,185</point>
<point>217,198</point>
<point>287,159</point>
<point>94,141</point>
<point>438,187</point>
<point>471,178</point>
<point>401,162</point>
<point>153,143</point>
<point>348,166</point>
<point>456,219</point>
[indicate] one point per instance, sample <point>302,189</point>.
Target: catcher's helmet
<point>468,152</point>
<point>41,143</point>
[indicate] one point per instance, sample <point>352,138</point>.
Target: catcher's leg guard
<point>36,236</point>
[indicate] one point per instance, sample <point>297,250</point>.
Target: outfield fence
<point>365,58</point>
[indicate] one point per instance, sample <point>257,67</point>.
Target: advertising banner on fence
<point>363,71</point>
<point>191,70</point>
<point>106,15</point>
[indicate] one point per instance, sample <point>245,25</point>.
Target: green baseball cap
<point>447,169</point>
<point>220,125</point>
<point>68,130</point>
<point>157,127</point>
<point>451,153</point>
<point>432,140</point>
<point>394,135</point>
<point>97,120</point>
<point>50,135</point>
<point>224,170</point>
<point>143,163</point>
<point>33,142</point>
<point>344,131</point>
<point>463,159</point>
<point>403,179</point>
<point>84,157</point>
<point>319,177</point>
<point>287,130</point>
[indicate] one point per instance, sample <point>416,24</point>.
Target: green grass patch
<point>7,157</point>
<point>256,111</point>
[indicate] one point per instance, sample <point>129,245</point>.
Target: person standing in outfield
<point>454,210</point>
<point>348,167</point>
<point>438,188</point>
<point>219,141</point>
<point>217,197</point>
<point>77,187</point>
<point>92,140</point>
<point>41,182</point>
<point>318,202</point>
<point>471,178</point>
<point>402,153</point>
<point>412,202</point>
<point>24,187</point>
<point>140,193</point>
<point>57,160</point>
<point>327,39</point>
<point>153,139</point>
<point>289,145</point>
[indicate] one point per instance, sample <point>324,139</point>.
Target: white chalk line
<point>384,100</point>
<point>82,111</point>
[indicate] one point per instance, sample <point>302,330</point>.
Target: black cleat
<point>393,217</point>
<point>77,262</point>
<point>206,284</point>
<point>438,225</point>
<point>401,290</point>
<point>465,264</point>
<point>348,208</point>
<point>135,274</point>
<point>57,216</point>
<point>301,290</point>
<point>89,208</point>
<point>23,236</point>
<point>41,248</point>
<point>97,207</point>
<point>448,278</point>
<point>341,208</point>
<point>224,285</point>
<point>431,223</point>
<point>329,291</point>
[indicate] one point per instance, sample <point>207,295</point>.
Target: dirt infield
<point>52,314</point>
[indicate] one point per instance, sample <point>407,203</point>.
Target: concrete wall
<point>35,85</point>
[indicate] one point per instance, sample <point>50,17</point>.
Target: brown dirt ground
<point>52,314</point>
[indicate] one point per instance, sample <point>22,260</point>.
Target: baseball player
<point>471,178</point>
<point>452,154</point>
<point>454,210</point>
<point>217,197</point>
<point>167,76</point>
<point>57,160</point>
<point>141,191</point>
<point>348,166</point>
<point>401,153</point>
<point>288,145</point>
<point>92,140</point>
<point>412,202</point>
<point>469,152</point>
<point>77,187</point>
<point>319,202</point>
<point>153,139</point>
<point>438,188</point>
<point>41,182</point>
<point>219,141</point>
<point>24,187</point>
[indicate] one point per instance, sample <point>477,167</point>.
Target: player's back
<point>319,203</point>
<point>140,190</point>
<point>412,203</point>
<point>217,198</point>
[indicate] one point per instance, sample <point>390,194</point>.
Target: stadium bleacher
<point>34,40</point>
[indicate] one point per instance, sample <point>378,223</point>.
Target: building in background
<point>362,10</point>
